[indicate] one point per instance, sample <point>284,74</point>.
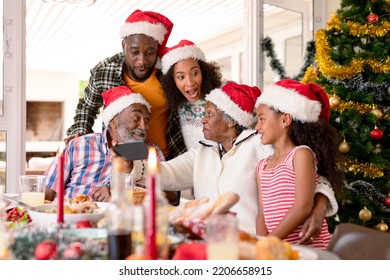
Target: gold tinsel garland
<point>362,108</point>
<point>367,169</point>
<point>332,70</point>
<point>359,30</point>
<point>310,75</point>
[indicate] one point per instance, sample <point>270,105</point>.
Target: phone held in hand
<point>132,150</point>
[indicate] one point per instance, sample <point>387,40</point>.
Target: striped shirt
<point>278,193</point>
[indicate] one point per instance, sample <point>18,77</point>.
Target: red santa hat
<point>236,100</point>
<point>182,51</point>
<point>149,23</point>
<point>304,102</point>
<point>118,99</point>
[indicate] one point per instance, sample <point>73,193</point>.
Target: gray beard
<point>126,134</point>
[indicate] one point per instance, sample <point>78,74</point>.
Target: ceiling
<point>73,38</point>
<point>67,36</point>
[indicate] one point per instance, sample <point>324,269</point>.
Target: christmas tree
<point>353,66</point>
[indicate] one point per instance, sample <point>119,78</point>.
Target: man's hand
<point>101,194</point>
<point>129,163</point>
<point>313,224</point>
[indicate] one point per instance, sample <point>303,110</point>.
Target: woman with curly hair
<point>187,78</point>
<point>304,143</point>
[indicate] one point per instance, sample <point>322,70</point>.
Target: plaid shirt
<point>87,164</point>
<point>105,75</point>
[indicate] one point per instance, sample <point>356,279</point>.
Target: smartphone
<point>132,150</point>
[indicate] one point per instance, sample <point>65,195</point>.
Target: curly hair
<point>323,139</point>
<point>211,79</point>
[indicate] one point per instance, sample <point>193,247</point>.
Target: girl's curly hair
<point>323,139</point>
<point>211,79</point>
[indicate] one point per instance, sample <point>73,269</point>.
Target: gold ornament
<point>382,226</point>
<point>344,147</point>
<point>365,215</point>
<point>334,101</point>
<point>377,113</point>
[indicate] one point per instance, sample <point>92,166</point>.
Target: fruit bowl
<point>44,215</point>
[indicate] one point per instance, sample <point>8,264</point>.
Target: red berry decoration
<point>372,18</point>
<point>46,250</point>
<point>387,200</point>
<point>376,134</point>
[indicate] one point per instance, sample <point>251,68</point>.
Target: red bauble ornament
<point>372,18</point>
<point>73,251</point>
<point>46,250</point>
<point>376,134</point>
<point>387,200</point>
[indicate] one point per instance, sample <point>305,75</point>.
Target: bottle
<point>161,206</point>
<point>119,215</point>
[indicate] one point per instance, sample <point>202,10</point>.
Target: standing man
<point>144,36</point>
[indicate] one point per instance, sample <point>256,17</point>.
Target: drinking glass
<point>222,237</point>
<point>32,189</point>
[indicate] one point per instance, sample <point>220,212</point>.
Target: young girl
<point>187,78</point>
<point>294,118</point>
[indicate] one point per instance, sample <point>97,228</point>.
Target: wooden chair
<point>355,242</point>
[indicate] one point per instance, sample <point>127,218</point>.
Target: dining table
<point>92,239</point>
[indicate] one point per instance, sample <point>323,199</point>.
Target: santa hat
<point>182,51</point>
<point>149,23</point>
<point>236,100</point>
<point>304,102</point>
<point>119,98</point>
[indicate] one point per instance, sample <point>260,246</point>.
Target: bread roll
<point>224,202</point>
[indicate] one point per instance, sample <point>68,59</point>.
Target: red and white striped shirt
<point>278,193</point>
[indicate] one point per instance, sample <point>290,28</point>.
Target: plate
<point>305,253</point>
<point>45,219</point>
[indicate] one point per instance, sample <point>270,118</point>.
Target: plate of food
<point>75,210</point>
<point>305,253</point>
<point>272,248</point>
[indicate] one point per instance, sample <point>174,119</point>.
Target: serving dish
<point>42,216</point>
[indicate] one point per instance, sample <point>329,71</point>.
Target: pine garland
<point>278,67</point>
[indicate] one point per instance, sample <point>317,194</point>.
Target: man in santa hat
<point>87,158</point>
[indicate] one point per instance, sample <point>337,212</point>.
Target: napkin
<point>191,251</point>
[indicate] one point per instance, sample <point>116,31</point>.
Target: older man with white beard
<point>87,159</point>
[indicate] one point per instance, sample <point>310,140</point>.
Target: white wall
<point>57,87</point>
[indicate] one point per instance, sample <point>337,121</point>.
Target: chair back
<point>355,242</point>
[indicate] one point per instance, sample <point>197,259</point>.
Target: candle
<point>151,246</point>
<point>60,188</point>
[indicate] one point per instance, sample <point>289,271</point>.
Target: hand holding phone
<point>132,150</point>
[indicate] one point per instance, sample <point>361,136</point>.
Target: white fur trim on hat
<point>180,54</point>
<point>224,103</point>
<point>290,101</point>
<point>156,31</point>
<point>117,106</point>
